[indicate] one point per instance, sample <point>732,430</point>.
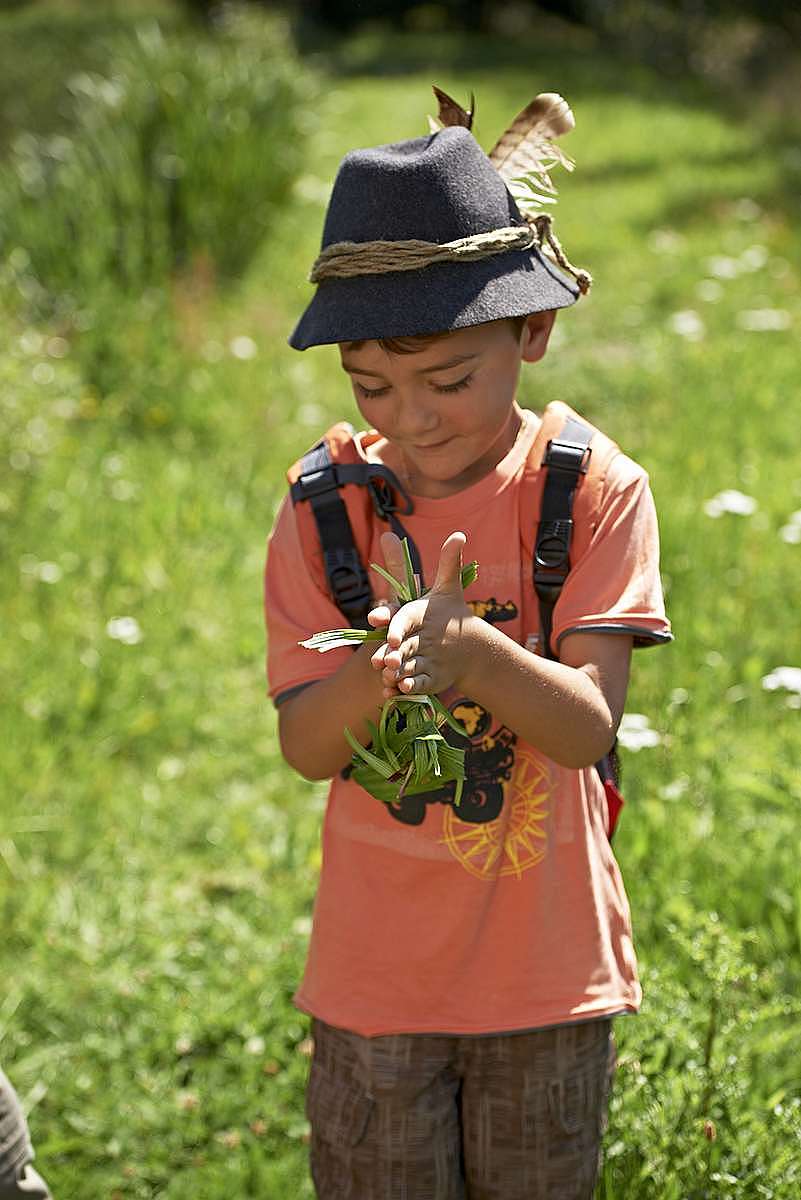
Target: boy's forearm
<point>310,724</point>
<point>552,706</point>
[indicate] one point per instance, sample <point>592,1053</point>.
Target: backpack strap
<point>339,485</point>
<point>574,467</point>
<point>566,459</point>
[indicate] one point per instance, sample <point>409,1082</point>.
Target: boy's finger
<point>381,615</point>
<point>400,627</point>
<point>377,659</point>
<point>450,564</point>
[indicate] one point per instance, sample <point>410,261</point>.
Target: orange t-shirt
<point>507,912</point>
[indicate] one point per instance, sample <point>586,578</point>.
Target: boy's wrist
<point>474,645</point>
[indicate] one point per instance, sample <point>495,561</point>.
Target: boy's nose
<point>415,420</point>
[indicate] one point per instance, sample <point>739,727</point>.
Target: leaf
<point>469,574</point>
<point>448,717</point>
<point>399,588</point>
<point>366,756</point>
<point>452,113</point>
<point>526,147</point>
<point>334,639</point>
<point>411,578</point>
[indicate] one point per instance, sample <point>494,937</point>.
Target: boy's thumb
<point>449,568</point>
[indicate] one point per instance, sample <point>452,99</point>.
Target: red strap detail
<point>614,803</point>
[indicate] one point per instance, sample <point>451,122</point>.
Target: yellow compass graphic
<point>518,842</point>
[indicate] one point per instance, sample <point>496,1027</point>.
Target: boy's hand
<point>425,649</point>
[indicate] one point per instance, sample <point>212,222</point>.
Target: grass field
<point>157,860</point>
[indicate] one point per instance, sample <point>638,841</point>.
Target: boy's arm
<point>569,709</point>
<point>310,723</point>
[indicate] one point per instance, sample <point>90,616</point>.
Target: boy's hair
<point>412,345</point>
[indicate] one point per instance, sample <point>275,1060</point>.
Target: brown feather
<point>451,113</point>
<point>526,146</point>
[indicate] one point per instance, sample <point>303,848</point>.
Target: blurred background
<point>164,169</point>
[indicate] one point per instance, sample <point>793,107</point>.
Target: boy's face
<point>448,409</point>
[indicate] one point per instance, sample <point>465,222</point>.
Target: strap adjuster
<point>563,455</point>
<point>552,550</point>
<point>347,578</point>
<point>317,483</point>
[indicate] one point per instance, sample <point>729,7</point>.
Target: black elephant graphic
<point>489,759</point>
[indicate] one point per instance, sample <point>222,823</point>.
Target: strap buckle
<point>563,455</point>
<point>383,488</point>
<point>552,550</point>
<point>317,483</point>
<point>348,580</point>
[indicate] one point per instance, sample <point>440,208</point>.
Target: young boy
<point>465,961</point>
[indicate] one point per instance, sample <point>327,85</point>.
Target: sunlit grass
<point>158,862</point>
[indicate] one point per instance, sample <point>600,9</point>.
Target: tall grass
<point>175,163</point>
<point>158,861</point>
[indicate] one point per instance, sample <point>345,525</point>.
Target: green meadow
<point>158,860</point>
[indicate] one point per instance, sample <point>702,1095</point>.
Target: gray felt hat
<point>435,189</point>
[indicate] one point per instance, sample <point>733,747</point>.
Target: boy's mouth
<point>433,445</point>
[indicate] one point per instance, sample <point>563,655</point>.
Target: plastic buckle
<point>317,483</point>
<point>347,577</point>
<point>383,494</point>
<point>549,585</point>
<point>553,546</point>
<point>567,456</point>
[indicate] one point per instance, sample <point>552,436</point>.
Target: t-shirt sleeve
<point>295,608</point>
<point>615,586</point>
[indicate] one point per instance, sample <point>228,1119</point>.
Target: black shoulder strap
<point>319,482</point>
<point>566,460</point>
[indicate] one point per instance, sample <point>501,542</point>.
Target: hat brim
<point>445,296</point>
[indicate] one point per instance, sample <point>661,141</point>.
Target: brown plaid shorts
<point>513,1116</point>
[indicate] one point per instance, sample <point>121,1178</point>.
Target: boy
<point>465,962</point>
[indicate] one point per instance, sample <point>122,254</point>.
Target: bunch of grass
<point>408,752</point>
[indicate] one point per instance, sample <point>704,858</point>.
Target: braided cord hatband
<point>343,260</point>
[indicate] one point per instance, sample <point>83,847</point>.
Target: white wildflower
<point>48,572</point>
<point>243,347</point>
<point>786,678</point>
<point>124,629</point>
<point>754,258</point>
<point>763,320</point>
<point>723,267</point>
<point>688,324</point>
<point>635,733</point>
<point>731,501</point>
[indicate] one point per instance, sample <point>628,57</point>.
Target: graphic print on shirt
<point>506,847</point>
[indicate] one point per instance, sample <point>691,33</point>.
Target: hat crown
<point>436,188</point>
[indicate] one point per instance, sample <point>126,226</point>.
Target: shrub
<point>179,154</point>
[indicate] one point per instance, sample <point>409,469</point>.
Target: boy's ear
<point>535,335</point>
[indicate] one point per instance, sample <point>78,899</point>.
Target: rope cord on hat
<point>344,260</point>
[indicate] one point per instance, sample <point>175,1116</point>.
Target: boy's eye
<point>369,392</point>
<point>456,387</point>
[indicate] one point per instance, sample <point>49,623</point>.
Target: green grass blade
<point>447,717</point>
<point>407,562</point>
<point>400,589</point>
<point>371,760</point>
<point>469,574</point>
